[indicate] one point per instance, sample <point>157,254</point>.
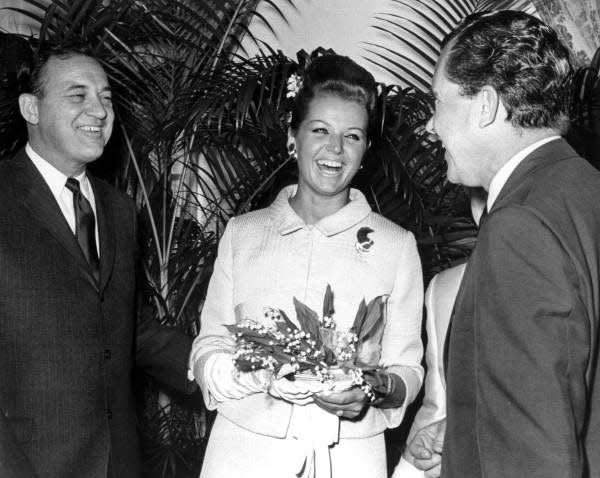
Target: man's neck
<point>503,149</point>
<point>69,169</point>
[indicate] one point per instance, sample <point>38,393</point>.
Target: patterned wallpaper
<point>577,22</point>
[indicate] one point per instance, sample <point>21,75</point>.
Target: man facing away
<point>522,351</point>
<point>68,298</point>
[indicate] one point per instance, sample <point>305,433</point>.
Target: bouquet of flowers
<point>317,350</point>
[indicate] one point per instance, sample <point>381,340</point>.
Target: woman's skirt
<point>234,452</point>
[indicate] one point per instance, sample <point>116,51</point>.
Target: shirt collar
<point>288,221</point>
<point>55,179</point>
<point>499,180</point>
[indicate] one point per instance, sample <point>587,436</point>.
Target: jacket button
<point>107,354</point>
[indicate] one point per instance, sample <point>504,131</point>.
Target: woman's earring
<point>292,151</point>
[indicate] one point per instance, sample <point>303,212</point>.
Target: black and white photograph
<point>299,239</point>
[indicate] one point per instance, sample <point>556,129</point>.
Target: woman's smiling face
<point>330,142</point>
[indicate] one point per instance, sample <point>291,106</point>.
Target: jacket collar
<point>32,190</point>
<point>287,221</point>
<point>545,155</point>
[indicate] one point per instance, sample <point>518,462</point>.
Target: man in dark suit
<point>68,298</point>
<point>523,398</point>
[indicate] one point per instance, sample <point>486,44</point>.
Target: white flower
<point>294,83</point>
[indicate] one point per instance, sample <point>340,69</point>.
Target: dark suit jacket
<point>522,371</point>
<point>67,345</point>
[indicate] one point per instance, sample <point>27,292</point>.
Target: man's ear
<point>489,102</point>
<point>28,105</point>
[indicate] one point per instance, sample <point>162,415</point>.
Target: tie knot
<point>73,185</point>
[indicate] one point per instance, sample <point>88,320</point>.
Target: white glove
<point>224,381</point>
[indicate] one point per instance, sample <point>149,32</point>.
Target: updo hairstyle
<point>337,75</point>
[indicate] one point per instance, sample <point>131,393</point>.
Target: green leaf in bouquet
<point>259,339</point>
<point>373,318</point>
<point>232,328</point>
<point>328,309</point>
<point>244,365</point>
<point>285,323</point>
<point>309,321</point>
<point>368,349</point>
<point>248,334</point>
<point>359,319</point>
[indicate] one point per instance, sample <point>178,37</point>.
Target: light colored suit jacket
<point>268,257</point>
<point>439,301</point>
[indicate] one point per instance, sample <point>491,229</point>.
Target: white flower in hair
<point>294,83</point>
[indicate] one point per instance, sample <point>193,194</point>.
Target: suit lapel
<point>106,231</point>
<point>38,199</point>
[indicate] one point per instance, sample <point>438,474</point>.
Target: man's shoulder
<point>564,184</point>
<point>13,169</point>
<point>12,160</point>
<point>112,193</point>
<point>556,179</point>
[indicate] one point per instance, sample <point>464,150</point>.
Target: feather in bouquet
<point>317,350</point>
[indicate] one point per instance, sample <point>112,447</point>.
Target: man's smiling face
<point>74,113</point>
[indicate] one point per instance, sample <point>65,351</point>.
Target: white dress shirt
<point>499,180</point>
<point>57,181</point>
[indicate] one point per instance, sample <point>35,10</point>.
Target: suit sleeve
<point>13,462</point>
<point>161,351</point>
<point>211,358</point>
<point>531,342</point>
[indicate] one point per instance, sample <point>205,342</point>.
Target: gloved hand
<point>294,390</point>
<point>225,382</point>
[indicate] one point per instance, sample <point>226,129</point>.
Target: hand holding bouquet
<point>317,353</point>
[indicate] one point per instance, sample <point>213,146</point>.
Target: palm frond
<point>418,27</point>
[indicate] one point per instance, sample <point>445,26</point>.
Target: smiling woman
<point>317,233</point>
<point>329,133</point>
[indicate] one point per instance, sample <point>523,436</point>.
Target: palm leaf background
<point>200,136</point>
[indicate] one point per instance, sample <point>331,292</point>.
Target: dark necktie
<point>85,226</point>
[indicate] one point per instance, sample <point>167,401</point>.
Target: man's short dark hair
<point>518,55</point>
<point>32,79</point>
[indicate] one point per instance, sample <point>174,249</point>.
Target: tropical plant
<point>418,27</point>
<point>200,136</point>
